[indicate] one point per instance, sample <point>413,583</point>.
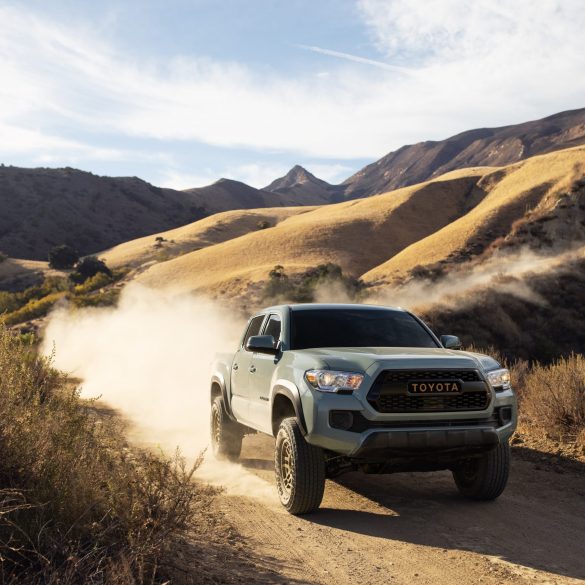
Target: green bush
<point>38,300</point>
<point>63,257</point>
<point>107,298</point>
<point>95,282</point>
<point>88,267</point>
<point>76,504</point>
<point>33,309</point>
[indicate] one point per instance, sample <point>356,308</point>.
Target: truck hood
<point>362,358</point>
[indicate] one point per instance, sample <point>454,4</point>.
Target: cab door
<point>240,374</point>
<point>262,369</point>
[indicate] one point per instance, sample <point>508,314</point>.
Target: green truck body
<point>412,404</point>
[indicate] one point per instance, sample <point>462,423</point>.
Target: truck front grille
<point>389,392</point>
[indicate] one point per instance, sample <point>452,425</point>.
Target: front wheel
<point>300,469</point>
<point>486,477</point>
<point>226,435</point>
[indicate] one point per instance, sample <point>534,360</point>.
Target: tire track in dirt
<point>415,528</point>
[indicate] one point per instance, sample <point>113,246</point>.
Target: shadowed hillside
<point>41,208</point>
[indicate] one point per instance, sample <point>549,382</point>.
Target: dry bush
<point>553,396</point>
<point>76,504</point>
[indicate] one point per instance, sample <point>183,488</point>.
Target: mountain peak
<point>298,175</point>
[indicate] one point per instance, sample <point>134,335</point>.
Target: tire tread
<point>309,484</point>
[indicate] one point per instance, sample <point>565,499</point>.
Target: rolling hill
<point>41,208</point>
<point>539,203</point>
<point>422,231</point>
<point>195,236</point>
<point>358,235</point>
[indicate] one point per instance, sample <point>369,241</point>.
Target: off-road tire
<point>226,435</point>
<point>486,477</point>
<point>299,469</point>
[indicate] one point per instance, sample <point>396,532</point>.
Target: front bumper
<point>390,435</point>
<point>379,444</point>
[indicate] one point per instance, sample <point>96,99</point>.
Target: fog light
<point>341,419</point>
<point>505,415</point>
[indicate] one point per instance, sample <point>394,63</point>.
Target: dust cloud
<point>504,272</point>
<point>150,358</point>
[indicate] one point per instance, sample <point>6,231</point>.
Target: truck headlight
<point>499,379</point>
<point>332,381</point>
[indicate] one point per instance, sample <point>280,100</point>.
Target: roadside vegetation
<point>305,287</point>
<point>77,505</point>
<point>89,285</point>
<point>552,397</point>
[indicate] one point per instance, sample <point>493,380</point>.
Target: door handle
<point>252,369</point>
<point>235,367</point>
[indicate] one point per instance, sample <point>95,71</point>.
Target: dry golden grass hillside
<point>358,235</point>
<point>462,217</point>
<point>513,194</point>
<point>200,234</point>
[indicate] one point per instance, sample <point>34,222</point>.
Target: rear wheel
<point>300,469</point>
<point>226,435</point>
<point>486,477</point>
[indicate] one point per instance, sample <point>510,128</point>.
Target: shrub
<point>63,257</point>
<point>107,298</point>
<point>263,224</point>
<point>94,282</point>
<point>88,267</point>
<point>78,505</point>
<point>33,309</point>
<point>553,396</point>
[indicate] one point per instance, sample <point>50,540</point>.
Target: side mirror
<point>262,344</point>
<point>451,342</point>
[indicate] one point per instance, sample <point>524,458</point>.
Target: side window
<point>273,327</point>
<point>253,328</point>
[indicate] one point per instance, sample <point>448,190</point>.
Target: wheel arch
<point>286,402</point>
<point>218,388</point>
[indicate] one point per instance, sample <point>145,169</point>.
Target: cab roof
<point>316,306</point>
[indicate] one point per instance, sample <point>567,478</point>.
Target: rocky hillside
<point>481,147</point>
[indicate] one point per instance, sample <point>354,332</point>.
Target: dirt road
<point>415,528</point>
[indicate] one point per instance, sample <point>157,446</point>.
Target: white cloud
<point>470,64</point>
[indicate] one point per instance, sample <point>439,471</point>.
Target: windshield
<point>359,327</point>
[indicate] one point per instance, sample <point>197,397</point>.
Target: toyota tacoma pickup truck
<point>359,387</point>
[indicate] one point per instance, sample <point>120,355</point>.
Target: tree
<point>88,267</point>
<point>62,257</point>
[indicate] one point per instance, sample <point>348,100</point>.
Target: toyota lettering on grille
<point>431,387</point>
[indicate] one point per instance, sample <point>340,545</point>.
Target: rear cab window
<point>273,327</point>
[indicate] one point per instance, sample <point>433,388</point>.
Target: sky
<point>181,93</point>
